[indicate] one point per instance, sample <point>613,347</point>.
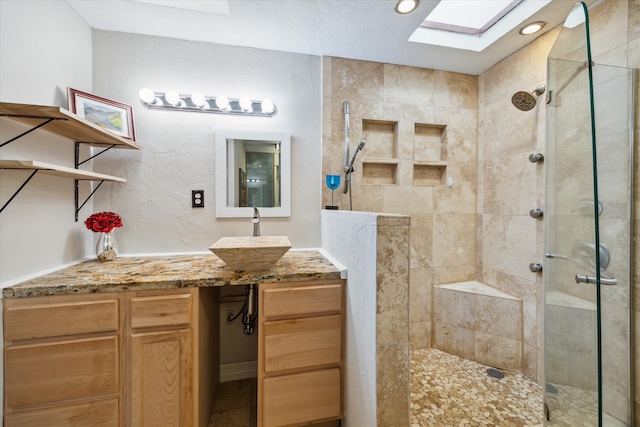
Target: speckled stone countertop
<point>168,272</point>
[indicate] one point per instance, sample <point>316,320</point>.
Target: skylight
<point>474,24</point>
<point>468,16</point>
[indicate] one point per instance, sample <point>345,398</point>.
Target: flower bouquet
<point>104,223</point>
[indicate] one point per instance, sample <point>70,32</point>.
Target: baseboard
<point>238,371</point>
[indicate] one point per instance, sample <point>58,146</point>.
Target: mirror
<point>252,169</point>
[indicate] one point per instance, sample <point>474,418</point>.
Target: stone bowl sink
<point>251,253</point>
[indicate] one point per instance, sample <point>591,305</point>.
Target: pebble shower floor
<point>449,391</point>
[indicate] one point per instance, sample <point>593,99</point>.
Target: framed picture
<point>111,115</point>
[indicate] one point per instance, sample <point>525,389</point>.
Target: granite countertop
<point>169,272</point>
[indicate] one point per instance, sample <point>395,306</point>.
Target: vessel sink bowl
<point>250,252</point>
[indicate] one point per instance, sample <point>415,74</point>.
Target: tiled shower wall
<point>509,186</point>
<point>479,228</point>
<point>421,127</point>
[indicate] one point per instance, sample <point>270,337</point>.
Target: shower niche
<point>381,164</point>
<point>427,145</point>
<point>429,155</point>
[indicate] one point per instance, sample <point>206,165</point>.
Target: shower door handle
<point>589,279</point>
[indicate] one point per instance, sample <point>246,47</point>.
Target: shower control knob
<point>535,267</point>
<point>536,213</point>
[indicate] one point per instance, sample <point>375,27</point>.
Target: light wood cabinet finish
<point>61,371</point>
<point>302,300</point>
<point>302,343</point>
<point>303,398</point>
<point>161,310</point>
<point>114,359</point>
<point>99,413</point>
<point>59,319</point>
<point>161,379</point>
<point>63,360</point>
<point>300,353</point>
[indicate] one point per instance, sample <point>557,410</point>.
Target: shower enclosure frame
<point>564,60</point>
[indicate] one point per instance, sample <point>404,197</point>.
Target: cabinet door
<point>161,371</point>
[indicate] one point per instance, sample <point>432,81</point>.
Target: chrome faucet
<point>256,222</point>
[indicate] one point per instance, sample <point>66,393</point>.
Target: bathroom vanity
<point>135,342</point>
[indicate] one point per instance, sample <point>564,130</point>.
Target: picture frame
<point>108,114</point>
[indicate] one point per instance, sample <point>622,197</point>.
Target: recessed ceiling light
<point>534,27</point>
<point>406,6</point>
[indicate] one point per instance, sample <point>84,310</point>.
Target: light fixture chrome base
<point>235,106</point>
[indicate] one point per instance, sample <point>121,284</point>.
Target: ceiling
<point>359,29</point>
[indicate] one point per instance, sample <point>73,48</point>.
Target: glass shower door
<point>588,229</point>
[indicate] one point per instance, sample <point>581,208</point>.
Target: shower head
<point>525,101</point>
<point>349,168</point>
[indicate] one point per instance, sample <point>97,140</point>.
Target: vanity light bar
<point>197,102</point>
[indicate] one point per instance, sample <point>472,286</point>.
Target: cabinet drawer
<point>52,320</point>
<point>161,310</point>
<point>300,398</point>
<point>302,343</point>
<point>101,413</point>
<point>303,300</point>
<point>60,371</point>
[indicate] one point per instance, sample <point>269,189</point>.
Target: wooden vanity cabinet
<point>147,358</point>
<point>301,353</point>
<point>63,360</point>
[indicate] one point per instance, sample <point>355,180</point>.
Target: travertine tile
<point>509,243</point>
<point>353,79</point>
<point>393,369</point>
<point>608,23</point>
<point>421,238</point>
<point>454,340</point>
<point>408,85</point>
<point>453,239</point>
<point>634,19</point>
<point>455,90</point>
<point>420,292</point>
<point>507,185</point>
<point>420,335</point>
<point>498,316</point>
<point>494,350</point>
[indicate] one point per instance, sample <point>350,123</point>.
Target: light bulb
<point>532,28</point>
<point>147,96</point>
<point>406,6</point>
<point>267,106</point>
<point>199,100</point>
<point>222,102</point>
<point>245,103</point>
<point>173,98</point>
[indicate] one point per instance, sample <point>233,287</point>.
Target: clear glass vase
<point>107,248</point>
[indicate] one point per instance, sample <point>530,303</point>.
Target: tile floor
<point>236,404</point>
<point>446,391</point>
<point>449,391</point>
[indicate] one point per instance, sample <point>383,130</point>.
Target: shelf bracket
<point>27,132</point>
<point>78,162</point>
<point>77,193</point>
<point>19,190</point>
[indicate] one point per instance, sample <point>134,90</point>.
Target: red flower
<point>103,222</point>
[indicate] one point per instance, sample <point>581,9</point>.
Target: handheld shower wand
<point>349,168</point>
